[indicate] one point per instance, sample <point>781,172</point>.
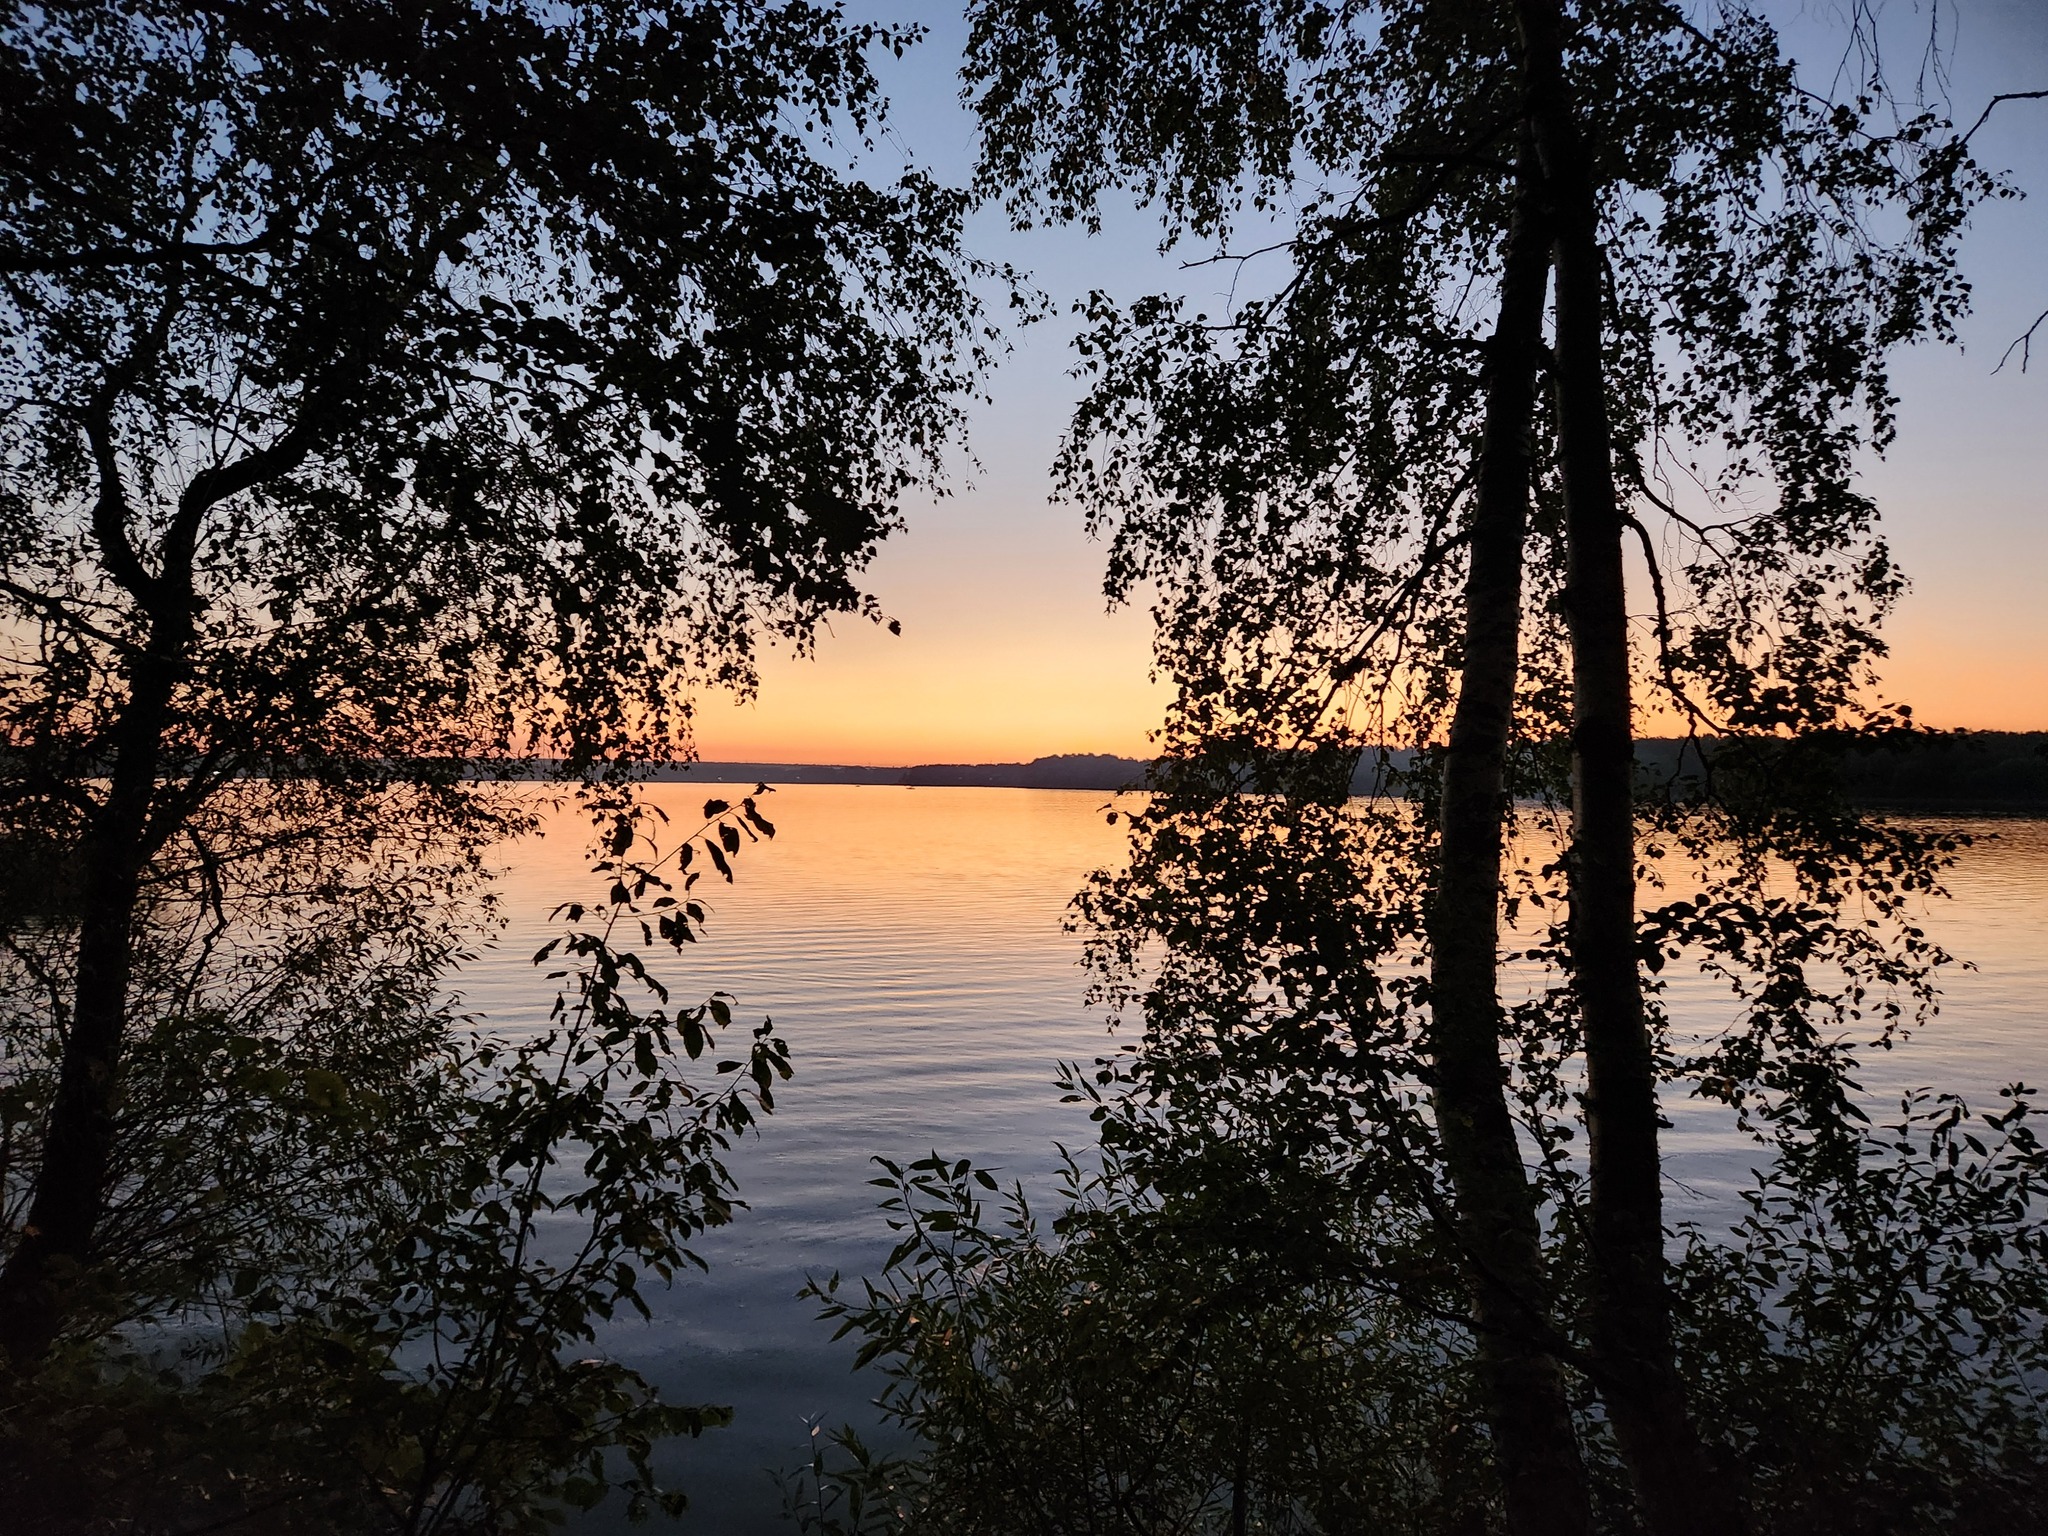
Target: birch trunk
<point>1676,1483</point>
<point>1538,1456</point>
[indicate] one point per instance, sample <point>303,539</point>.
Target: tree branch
<point>1992,104</point>
<point>1664,633</point>
<point>56,608</point>
<point>2024,343</point>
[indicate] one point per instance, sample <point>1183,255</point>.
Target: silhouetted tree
<point>1327,485</point>
<point>394,387</point>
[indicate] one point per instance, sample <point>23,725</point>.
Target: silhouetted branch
<point>2024,343</point>
<point>1993,103</point>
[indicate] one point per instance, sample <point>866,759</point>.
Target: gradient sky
<point>1008,653</point>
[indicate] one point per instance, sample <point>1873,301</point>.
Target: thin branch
<point>57,609</point>
<point>1664,632</point>
<point>1993,103</point>
<point>2025,344</point>
<point>1239,257</point>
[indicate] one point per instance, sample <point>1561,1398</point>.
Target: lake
<point>908,943</point>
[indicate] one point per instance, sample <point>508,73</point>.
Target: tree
<point>356,1257</point>
<point>1539,1464</point>
<point>1326,486</point>
<point>394,389</point>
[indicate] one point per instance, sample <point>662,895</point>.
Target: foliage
<point>356,1273</point>
<point>263,985</point>
<point>1869,1338</point>
<point>393,392</point>
<point>1866,1343</point>
<point>414,383</point>
<point>1147,1366</point>
<point>394,384</point>
<point>1294,474</point>
<point>1883,1281</point>
<point>499,368</point>
<point>390,388</point>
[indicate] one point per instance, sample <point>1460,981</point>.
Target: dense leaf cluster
<point>1141,1367</point>
<point>1292,474</point>
<point>463,379</point>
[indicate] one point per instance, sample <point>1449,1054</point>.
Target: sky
<point>1008,652</point>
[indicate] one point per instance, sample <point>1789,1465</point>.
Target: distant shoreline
<point>1067,771</point>
<point>1960,773</point>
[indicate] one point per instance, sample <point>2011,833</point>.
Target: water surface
<point>909,945</point>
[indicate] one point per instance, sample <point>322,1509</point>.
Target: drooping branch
<point>1665,633</point>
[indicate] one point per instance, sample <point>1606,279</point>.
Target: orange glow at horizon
<point>887,728</point>
<point>880,700</point>
<point>972,680</point>
<point>1954,685</point>
<point>945,692</point>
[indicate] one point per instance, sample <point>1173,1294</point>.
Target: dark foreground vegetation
<point>398,394</point>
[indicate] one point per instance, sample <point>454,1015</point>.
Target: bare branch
<point>1237,257</point>
<point>1992,104</point>
<point>2023,343</point>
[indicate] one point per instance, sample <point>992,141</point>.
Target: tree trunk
<point>38,1286</point>
<point>1531,1420</point>
<point>1636,1368</point>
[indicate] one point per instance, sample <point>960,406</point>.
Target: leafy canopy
<point>462,378</point>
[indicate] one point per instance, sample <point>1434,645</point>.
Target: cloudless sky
<point>1007,651</point>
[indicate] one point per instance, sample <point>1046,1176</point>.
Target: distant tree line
<point>1936,771</point>
<point>1972,770</point>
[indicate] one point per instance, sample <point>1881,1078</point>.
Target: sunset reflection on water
<point>909,945</point>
